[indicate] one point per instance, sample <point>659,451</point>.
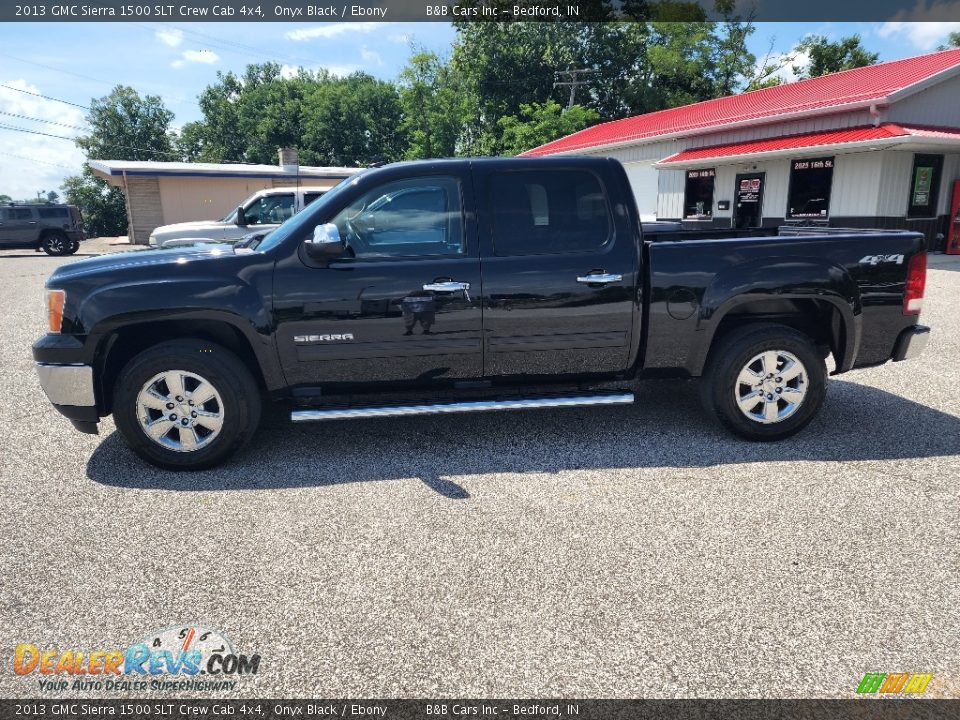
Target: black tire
<point>720,387</point>
<point>238,404</point>
<point>57,244</point>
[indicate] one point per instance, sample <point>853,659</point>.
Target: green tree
<point>124,126</point>
<point>5,199</point>
<point>434,106</point>
<point>953,41</point>
<point>542,122</point>
<point>830,57</point>
<point>103,207</point>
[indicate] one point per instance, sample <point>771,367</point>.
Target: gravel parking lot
<point>609,552</point>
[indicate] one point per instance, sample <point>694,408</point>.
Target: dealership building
<point>873,147</point>
<point>160,193</point>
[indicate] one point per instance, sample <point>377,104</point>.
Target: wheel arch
<point>121,344</point>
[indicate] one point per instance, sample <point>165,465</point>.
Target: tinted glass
<point>270,210</point>
<point>698,196</point>
<point>310,197</point>
<point>51,213</point>
<point>18,214</point>
<point>405,218</point>
<point>925,185</point>
<point>810,184</point>
<point>547,212</point>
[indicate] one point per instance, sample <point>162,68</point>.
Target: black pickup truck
<point>469,285</point>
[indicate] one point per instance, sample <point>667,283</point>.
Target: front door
<point>17,226</point>
<point>559,273</point>
<point>748,205</point>
<point>403,302</point>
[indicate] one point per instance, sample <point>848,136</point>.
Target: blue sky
<point>78,61</point>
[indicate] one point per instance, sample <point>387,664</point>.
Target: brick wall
<point>144,211</point>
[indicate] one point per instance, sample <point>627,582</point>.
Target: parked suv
<point>55,229</point>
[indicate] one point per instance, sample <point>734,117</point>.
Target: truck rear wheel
<point>186,404</point>
<point>764,382</point>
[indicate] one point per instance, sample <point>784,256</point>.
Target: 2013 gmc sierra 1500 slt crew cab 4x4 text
<point>465,285</point>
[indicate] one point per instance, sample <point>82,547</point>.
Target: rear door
<point>559,269</point>
<point>18,226</point>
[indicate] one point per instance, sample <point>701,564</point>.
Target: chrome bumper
<point>69,385</point>
<point>911,343</point>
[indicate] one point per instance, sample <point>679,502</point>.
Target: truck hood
<point>188,226</point>
<point>140,258</point>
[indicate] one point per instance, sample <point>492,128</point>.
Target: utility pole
<point>573,81</point>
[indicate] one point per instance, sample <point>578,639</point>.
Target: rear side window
<point>53,213</point>
<point>18,214</point>
<point>548,212</point>
<point>310,197</point>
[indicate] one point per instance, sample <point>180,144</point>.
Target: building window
<point>810,183</point>
<point>698,195</point>
<point>925,186</point>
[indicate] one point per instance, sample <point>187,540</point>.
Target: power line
<point>45,97</point>
<point>41,120</point>
<point>35,160</point>
<point>166,153</point>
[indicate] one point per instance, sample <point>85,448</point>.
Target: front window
<point>270,210</point>
<point>925,186</point>
<point>810,185</point>
<point>698,194</point>
<point>405,218</point>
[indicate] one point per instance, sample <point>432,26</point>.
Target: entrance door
<point>748,207</point>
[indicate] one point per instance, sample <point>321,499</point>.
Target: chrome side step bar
<point>461,407</point>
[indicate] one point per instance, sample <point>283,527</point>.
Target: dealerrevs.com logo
<point>894,683</point>
<point>182,658</point>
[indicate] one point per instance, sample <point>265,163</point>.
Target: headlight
<point>55,302</point>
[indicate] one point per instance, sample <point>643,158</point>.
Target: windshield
<point>303,222</point>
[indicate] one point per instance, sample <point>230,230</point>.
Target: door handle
<point>600,279</point>
<point>450,286</point>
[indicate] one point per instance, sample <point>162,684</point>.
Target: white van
<point>263,211</point>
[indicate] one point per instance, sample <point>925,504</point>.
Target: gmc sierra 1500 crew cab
<point>469,285</point>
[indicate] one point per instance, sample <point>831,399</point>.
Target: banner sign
<point>474,10</point>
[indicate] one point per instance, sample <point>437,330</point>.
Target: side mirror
<point>325,243</point>
<point>241,217</point>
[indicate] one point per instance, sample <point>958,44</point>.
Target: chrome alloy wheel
<point>180,410</point>
<point>771,387</point>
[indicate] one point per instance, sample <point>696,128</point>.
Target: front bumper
<point>911,343</point>
<point>70,389</point>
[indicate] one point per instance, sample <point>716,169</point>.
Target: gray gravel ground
<point>610,552</point>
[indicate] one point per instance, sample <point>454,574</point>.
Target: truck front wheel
<point>764,381</point>
<point>186,405</point>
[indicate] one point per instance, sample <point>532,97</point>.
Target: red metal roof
<point>816,96</point>
<point>867,134</point>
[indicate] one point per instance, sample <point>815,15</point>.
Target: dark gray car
<point>55,229</point>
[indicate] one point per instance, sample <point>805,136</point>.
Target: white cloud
<point>786,62</point>
<point>400,39</point>
<point>331,30</point>
<point>170,36</point>
<point>205,57</point>
<point>923,35</point>
<point>289,71</point>
<point>42,162</point>
<point>370,56</point>
<point>925,26</point>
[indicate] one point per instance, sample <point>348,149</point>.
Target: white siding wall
<point>856,184</point>
<point>643,180</point>
<point>936,105</point>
